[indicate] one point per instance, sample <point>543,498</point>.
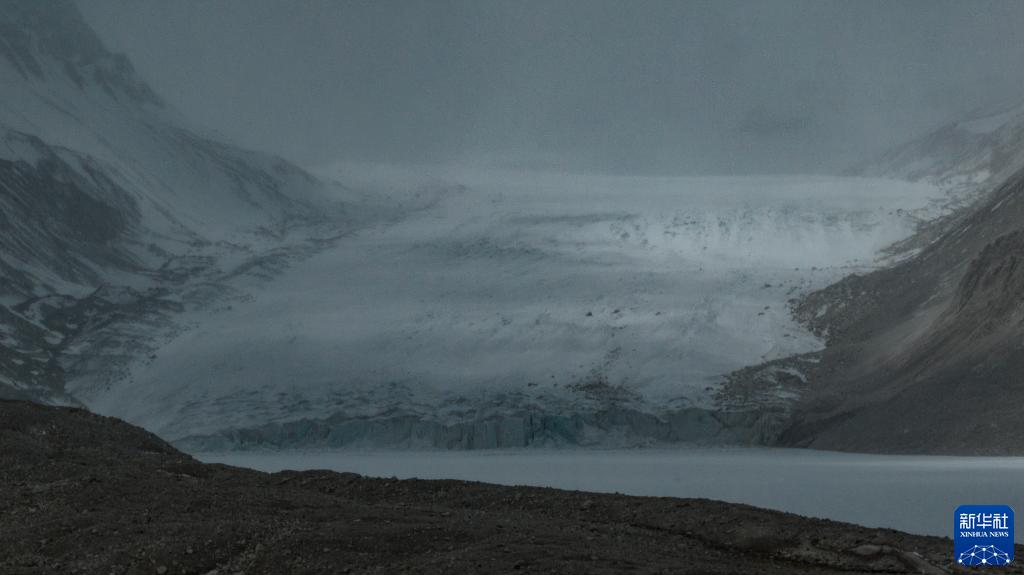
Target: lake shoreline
<point>85,493</point>
<point>882,491</point>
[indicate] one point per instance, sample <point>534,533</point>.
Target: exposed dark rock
<point>925,356</point>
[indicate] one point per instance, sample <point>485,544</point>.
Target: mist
<point>623,87</point>
<point>736,258</point>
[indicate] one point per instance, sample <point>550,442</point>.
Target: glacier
<point>226,298</point>
<point>519,308</point>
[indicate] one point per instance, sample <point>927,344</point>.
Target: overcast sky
<point>639,86</point>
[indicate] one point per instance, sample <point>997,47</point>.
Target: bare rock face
<point>993,286</point>
<point>922,356</point>
<point>925,356</point>
<point>81,493</point>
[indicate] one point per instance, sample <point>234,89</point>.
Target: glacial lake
<point>917,494</point>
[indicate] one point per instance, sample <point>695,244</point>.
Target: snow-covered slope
<point>976,153</point>
<point>61,87</point>
<point>103,186</point>
<point>968,160</point>
<point>522,309</point>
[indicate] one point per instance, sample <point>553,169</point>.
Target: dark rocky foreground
<point>80,493</point>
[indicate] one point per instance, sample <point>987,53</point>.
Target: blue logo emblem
<point>983,535</point>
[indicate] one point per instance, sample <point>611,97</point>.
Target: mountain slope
<point>114,214</point>
<point>925,356</point>
<point>981,151</point>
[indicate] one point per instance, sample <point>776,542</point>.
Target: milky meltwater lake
<point>917,494</point>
